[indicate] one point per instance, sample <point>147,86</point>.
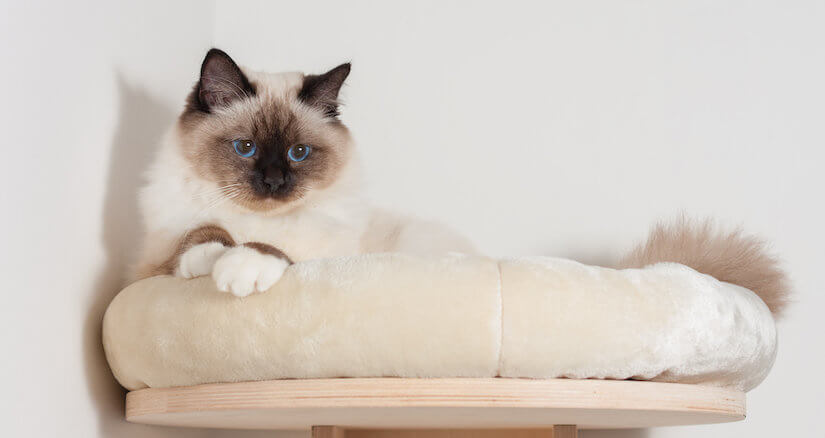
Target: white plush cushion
<point>451,316</point>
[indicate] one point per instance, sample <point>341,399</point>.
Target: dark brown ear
<point>222,82</point>
<point>321,91</point>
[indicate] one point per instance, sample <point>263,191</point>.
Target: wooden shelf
<point>394,403</point>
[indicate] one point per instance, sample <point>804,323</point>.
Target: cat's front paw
<point>243,270</point>
<point>199,260</point>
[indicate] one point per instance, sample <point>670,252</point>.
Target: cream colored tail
<point>729,256</point>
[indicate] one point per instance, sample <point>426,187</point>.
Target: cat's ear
<point>222,82</point>
<point>321,91</point>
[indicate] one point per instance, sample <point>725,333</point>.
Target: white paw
<point>242,270</point>
<point>199,259</point>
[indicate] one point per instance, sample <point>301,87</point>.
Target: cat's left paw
<point>243,270</point>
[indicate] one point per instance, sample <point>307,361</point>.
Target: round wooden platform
<point>393,403</point>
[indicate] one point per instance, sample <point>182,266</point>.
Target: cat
<point>259,172</point>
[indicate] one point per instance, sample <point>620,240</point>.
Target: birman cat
<point>259,172</point>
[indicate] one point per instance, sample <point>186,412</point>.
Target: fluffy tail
<point>729,256</point>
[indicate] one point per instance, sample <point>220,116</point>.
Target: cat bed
<point>380,315</point>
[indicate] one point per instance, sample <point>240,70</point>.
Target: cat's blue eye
<point>299,152</point>
<point>244,148</point>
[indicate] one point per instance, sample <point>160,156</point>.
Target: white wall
<point>87,89</point>
<point>558,129</point>
<point>566,128</point>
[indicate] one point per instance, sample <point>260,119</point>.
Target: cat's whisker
<point>207,195</point>
<point>219,190</point>
<point>216,191</point>
<point>219,194</point>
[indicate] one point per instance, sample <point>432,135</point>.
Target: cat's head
<point>264,141</point>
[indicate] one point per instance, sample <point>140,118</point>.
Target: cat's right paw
<point>199,259</point>
<point>243,270</point>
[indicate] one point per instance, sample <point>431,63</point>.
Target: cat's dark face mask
<point>266,141</point>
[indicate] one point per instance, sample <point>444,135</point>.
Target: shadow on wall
<point>586,257</point>
<point>141,124</point>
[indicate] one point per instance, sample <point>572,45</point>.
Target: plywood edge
<point>594,395</point>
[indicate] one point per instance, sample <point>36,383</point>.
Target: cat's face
<point>265,141</point>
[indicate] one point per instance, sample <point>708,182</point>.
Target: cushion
<point>401,315</point>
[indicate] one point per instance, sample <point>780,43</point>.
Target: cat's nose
<point>274,178</point>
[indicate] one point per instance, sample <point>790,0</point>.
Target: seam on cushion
<point>500,317</point>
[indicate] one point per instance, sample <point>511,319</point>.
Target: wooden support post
<point>328,432</point>
<point>558,431</point>
<point>565,431</point>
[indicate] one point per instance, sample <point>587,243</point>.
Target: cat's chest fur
<point>315,232</point>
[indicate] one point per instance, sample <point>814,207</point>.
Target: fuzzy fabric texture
<point>401,315</point>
